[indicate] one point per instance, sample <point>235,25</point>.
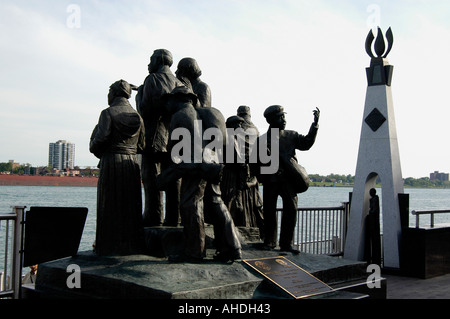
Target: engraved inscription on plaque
<point>288,276</point>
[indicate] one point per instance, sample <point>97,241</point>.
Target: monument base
<point>154,277</point>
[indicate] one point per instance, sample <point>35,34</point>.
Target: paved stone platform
<point>403,287</point>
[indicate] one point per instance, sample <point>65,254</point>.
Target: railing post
<point>417,218</point>
<point>432,220</point>
<point>5,268</point>
<point>346,206</point>
<point>17,252</point>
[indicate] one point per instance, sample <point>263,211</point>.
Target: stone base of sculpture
<point>154,277</point>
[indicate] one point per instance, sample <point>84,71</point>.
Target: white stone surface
<point>378,156</point>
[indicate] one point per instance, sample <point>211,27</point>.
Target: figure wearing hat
<point>151,105</point>
<point>235,175</point>
<point>286,182</point>
<point>243,111</point>
<point>240,189</point>
<point>116,140</point>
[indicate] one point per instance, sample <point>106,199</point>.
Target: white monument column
<point>378,156</point>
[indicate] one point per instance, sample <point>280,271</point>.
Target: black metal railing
<point>418,213</point>
<point>11,234</point>
<point>321,230</point>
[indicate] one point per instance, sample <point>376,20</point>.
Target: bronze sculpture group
<point>208,176</point>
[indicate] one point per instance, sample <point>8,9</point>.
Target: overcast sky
<point>58,58</point>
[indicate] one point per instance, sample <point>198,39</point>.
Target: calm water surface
<point>420,199</point>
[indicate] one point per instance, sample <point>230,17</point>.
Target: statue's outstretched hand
<point>316,113</point>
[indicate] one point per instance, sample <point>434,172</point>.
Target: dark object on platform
<point>287,275</point>
<point>425,252</point>
<point>116,140</point>
<point>289,176</point>
<point>373,240</point>
<point>239,187</point>
<point>403,202</point>
<point>52,233</point>
<point>199,192</point>
<point>155,158</point>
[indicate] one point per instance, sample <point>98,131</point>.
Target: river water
<point>420,199</point>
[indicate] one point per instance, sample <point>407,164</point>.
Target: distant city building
<point>61,155</point>
<point>13,164</point>
<point>439,176</point>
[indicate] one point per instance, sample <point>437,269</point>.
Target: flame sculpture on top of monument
<point>378,157</point>
<point>375,74</point>
<point>380,45</point>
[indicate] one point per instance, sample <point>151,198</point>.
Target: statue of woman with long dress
<point>116,140</point>
<point>239,187</point>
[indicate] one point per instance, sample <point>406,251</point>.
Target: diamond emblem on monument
<point>375,119</point>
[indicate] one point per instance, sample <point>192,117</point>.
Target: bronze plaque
<point>288,276</point>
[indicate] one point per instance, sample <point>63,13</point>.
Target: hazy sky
<point>58,58</point>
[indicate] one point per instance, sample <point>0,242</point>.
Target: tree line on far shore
<point>316,179</point>
<point>348,180</point>
<point>28,169</point>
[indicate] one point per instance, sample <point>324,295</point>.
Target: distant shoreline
<point>46,180</point>
<point>91,181</point>
<point>328,184</point>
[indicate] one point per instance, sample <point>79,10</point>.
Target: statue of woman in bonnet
<point>116,140</point>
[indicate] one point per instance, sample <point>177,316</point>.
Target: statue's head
<point>243,111</point>
<point>120,88</point>
<point>234,121</point>
<point>159,58</point>
<point>188,67</point>
<point>274,115</point>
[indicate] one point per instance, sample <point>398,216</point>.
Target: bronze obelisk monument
<point>378,156</point>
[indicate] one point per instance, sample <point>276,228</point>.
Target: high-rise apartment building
<point>439,176</point>
<point>61,155</point>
